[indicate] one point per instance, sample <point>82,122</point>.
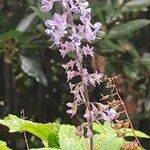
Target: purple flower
<point>97,77</point>
<point>90,33</point>
<point>76,39</point>
<point>73,109</point>
<point>73,5</point>
<point>59,21</point>
<point>88,51</point>
<point>76,90</point>
<point>47,5</point>
<point>86,16</point>
<point>109,114</point>
<point>83,5</point>
<point>71,74</point>
<point>70,65</point>
<point>66,48</point>
<point>76,6</point>
<point>89,115</point>
<point>56,27</point>
<point>89,133</point>
<point>69,35</point>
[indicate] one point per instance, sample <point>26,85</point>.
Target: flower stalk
<point>76,37</point>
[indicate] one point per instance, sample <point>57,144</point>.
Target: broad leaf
<point>3,146</point>
<point>33,68</point>
<point>109,139</point>
<point>69,140</point>
<point>97,142</point>
<point>44,149</point>
<point>127,28</point>
<point>99,128</point>
<point>102,129</point>
<point>48,133</point>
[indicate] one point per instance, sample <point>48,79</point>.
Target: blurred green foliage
<point>64,137</point>
<point>31,75</point>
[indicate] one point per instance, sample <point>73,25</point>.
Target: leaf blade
<point>48,133</point>
<point>127,28</point>
<point>135,5</point>
<point>69,140</point>
<point>32,68</point>
<point>3,146</point>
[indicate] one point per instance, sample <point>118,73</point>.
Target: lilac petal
<point>47,5</point>
<point>45,8</point>
<point>97,26</point>
<point>72,111</point>
<point>45,2</point>
<point>104,116</point>
<point>109,114</point>
<point>69,111</point>
<point>76,39</point>
<point>88,51</point>
<point>87,116</point>
<point>69,104</point>
<point>49,23</point>
<point>84,5</point>
<point>112,113</point>
<point>89,133</point>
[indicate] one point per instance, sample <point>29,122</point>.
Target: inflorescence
<point>72,36</point>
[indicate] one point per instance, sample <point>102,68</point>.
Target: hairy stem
<point>90,122</point>
<point>85,94</point>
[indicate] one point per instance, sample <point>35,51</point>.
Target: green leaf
<point>69,140</point>
<point>137,133</point>
<point>103,129</point>
<point>48,133</point>
<point>12,34</point>
<point>128,47</point>
<point>109,139</point>
<point>145,60</point>
<point>131,69</point>
<point>135,5</point>
<point>3,146</point>
<point>44,149</point>
<point>127,28</point>
<point>97,142</point>
<point>31,67</point>
<point>99,128</point>
<point>107,44</point>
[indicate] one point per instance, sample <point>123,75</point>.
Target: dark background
<point>31,76</point>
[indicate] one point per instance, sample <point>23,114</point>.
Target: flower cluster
<point>77,36</point>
